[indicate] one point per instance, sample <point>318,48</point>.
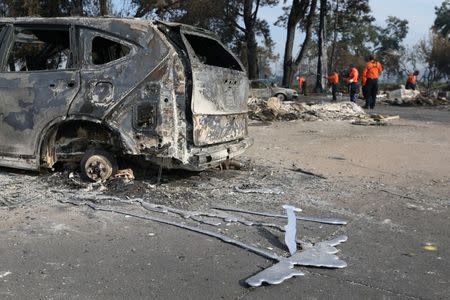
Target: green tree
<point>351,33</point>
<point>435,51</point>
<point>389,45</point>
<point>442,21</point>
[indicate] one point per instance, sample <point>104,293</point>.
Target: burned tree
<point>298,11</point>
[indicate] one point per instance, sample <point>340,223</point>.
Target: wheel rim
<point>98,168</point>
<point>281,97</point>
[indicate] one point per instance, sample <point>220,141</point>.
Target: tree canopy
<point>335,33</point>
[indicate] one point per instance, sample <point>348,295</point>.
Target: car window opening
<point>40,49</point>
<point>105,51</point>
<point>258,85</point>
<point>210,52</point>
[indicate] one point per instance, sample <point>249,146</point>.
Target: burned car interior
<point>91,90</point>
<point>40,49</point>
<point>105,51</point>
<point>210,52</point>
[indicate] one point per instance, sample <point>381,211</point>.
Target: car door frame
<point>32,161</point>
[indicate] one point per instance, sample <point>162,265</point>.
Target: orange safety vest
<point>372,70</point>
<point>412,78</point>
<point>333,78</point>
<point>301,79</point>
<point>353,76</point>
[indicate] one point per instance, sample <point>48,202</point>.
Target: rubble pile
<point>406,97</point>
<point>274,109</point>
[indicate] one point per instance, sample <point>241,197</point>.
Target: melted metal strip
<point>330,221</point>
<point>195,215</point>
<point>204,221</point>
<point>291,228</point>
<point>219,236</point>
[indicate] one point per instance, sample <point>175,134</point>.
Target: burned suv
<point>92,89</point>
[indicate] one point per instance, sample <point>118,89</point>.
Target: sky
<point>419,13</point>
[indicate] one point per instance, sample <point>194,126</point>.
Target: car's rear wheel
<point>98,165</point>
<point>281,97</point>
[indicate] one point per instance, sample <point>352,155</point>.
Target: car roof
<point>133,29</point>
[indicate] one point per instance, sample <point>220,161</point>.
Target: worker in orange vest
<point>411,82</point>
<point>302,84</point>
<point>371,72</point>
<point>364,87</point>
<point>352,81</point>
<point>333,79</point>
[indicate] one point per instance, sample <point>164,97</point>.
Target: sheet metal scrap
<point>318,255</point>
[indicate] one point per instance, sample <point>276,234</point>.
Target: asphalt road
<point>52,250</point>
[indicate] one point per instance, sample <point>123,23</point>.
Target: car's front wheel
<point>98,165</point>
<point>281,97</point>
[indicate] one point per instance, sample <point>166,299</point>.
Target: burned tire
<point>281,97</point>
<point>98,165</point>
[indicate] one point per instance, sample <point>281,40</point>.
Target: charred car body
<point>261,88</point>
<point>89,89</point>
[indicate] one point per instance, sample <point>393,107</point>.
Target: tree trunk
<point>335,36</point>
<point>78,9</point>
<point>298,10</point>
<point>103,7</point>
<point>293,67</point>
<point>321,57</point>
<point>250,38</point>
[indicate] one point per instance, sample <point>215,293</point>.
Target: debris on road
<point>430,247</point>
<point>318,255</point>
<point>4,274</point>
<point>126,174</point>
<point>276,110</point>
<point>406,97</point>
<point>402,95</point>
<point>321,255</point>
<point>300,170</point>
<point>375,120</point>
<point>249,190</point>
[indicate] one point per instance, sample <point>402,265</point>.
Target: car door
<point>260,90</point>
<point>38,80</point>
<point>108,73</point>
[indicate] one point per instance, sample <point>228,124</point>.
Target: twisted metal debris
<point>321,254</point>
